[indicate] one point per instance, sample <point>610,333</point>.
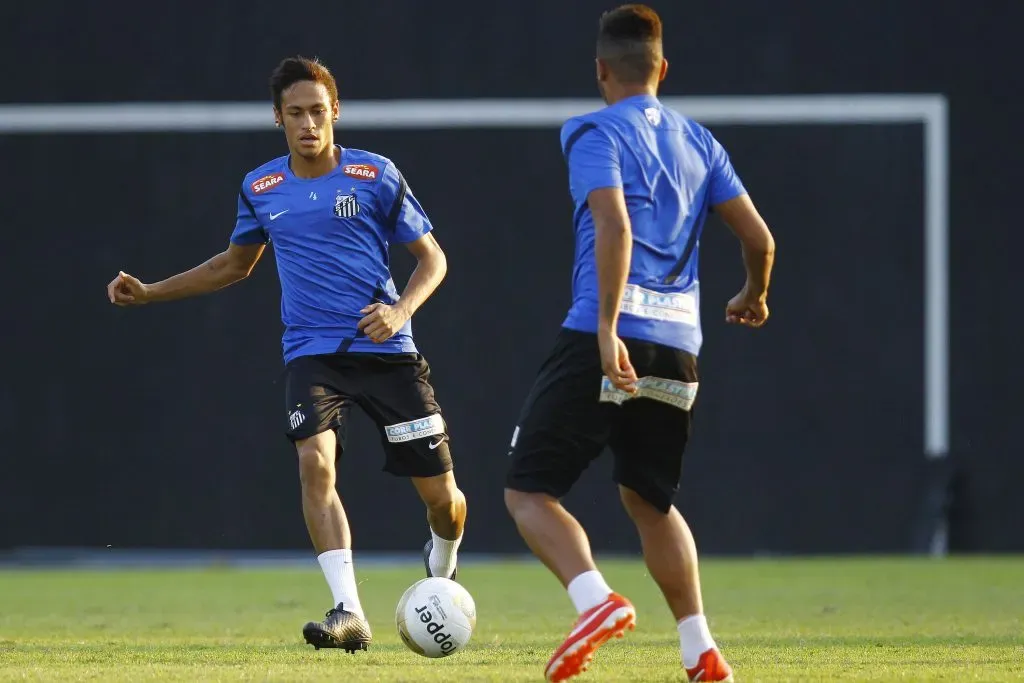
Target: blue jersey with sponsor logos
<point>671,171</point>
<point>331,236</point>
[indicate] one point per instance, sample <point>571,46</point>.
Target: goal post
<point>928,110</point>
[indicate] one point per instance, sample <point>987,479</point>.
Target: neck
<point>616,92</point>
<point>321,164</point>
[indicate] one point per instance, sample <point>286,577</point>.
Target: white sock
<point>443,555</point>
<point>587,590</point>
<point>341,577</point>
<point>694,639</point>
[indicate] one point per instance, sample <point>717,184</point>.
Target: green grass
<point>853,619</point>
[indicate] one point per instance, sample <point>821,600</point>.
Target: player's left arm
<point>407,223</point>
<point>431,267</point>
<point>381,321</point>
<point>613,245</point>
<point>595,173</point>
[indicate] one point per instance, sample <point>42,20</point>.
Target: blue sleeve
<point>248,230</point>
<point>405,220</point>
<point>724,184</point>
<point>592,157</point>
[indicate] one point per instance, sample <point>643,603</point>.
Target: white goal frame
<point>929,110</point>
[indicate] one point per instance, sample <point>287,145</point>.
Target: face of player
<point>308,115</point>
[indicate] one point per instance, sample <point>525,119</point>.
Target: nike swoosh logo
<point>602,613</point>
<point>435,445</point>
<point>275,216</point>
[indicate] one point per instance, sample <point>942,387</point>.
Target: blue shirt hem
<point>629,331</point>
<point>321,347</point>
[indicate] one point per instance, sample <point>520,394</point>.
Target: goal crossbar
<point>928,110</point>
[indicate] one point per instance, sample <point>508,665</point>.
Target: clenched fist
<point>381,322</point>
<point>125,290</point>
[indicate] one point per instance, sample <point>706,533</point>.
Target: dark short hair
<point>629,42</point>
<point>295,69</point>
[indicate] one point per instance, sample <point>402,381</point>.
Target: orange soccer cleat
<point>612,618</point>
<point>710,667</point>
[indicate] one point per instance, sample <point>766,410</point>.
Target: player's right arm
<point>226,268</point>
<point>743,219</point>
<point>733,205</point>
<point>235,263</point>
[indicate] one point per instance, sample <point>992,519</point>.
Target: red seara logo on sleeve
<point>361,171</point>
<point>267,182</point>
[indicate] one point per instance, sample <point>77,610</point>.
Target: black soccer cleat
<point>341,629</point>
<point>426,560</point>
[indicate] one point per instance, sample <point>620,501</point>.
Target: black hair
<point>295,69</point>
<point>629,42</point>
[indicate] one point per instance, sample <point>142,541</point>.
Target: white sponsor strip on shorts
<point>672,307</point>
<point>415,429</point>
<point>670,391</point>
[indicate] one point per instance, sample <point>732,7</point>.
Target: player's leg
<point>648,443</point>
<point>325,517</point>
<point>561,430</point>
<point>669,552</point>
<point>559,541</point>
<point>317,408</point>
<point>396,393</point>
<point>446,517</point>
<point>671,557</point>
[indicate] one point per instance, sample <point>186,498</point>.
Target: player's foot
<point>710,667</point>
<point>594,627</point>
<point>426,560</point>
<point>340,628</point>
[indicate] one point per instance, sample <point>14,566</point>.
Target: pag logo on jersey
<point>361,171</point>
<point>346,206</point>
<point>267,182</point>
<point>653,115</point>
<point>672,307</point>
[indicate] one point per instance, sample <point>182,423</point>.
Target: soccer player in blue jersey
<point>331,214</point>
<point>623,372</point>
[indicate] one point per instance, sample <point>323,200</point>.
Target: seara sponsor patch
<point>361,171</point>
<point>267,182</point>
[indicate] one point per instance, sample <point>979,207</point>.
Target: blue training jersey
<point>331,236</point>
<point>671,171</point>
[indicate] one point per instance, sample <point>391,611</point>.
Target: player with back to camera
<point>331,213</point>
<point>623,372</point>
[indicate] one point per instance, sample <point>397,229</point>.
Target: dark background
<point>161,426</point>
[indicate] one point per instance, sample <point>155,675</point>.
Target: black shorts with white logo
<point>392,388</point>
<point>572,413</point>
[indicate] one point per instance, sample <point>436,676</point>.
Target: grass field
<point>853,619</point>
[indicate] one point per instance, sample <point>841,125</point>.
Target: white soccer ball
<point>435,617</point>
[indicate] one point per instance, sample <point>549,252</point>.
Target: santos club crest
<point>345,205</point>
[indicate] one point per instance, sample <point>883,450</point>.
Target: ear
<point>335,110</point>
<point>664,69</point>
<point>602,70</point>
<point>277,117</point>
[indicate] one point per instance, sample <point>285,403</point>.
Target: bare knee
<point>440,493</point>
<point>513,499</point>
<point>519,502</point>
<point>316,465</point>
<point>640,510</point>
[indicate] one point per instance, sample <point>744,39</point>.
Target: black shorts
<point>393,389</point>
<point>571,414</point>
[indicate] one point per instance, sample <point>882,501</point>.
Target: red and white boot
<point>610,619</point>
<point>710,667</point>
